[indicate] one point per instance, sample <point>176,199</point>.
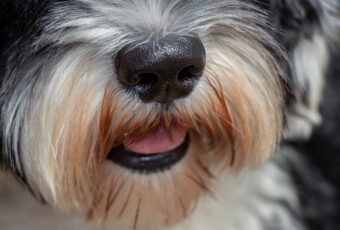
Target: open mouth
<point>157,150</point>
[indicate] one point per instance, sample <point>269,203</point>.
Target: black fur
<point>319,179</point>
<point>20,25</point>
<point>317,175</point>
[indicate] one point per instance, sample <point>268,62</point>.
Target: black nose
<point>163,71</point>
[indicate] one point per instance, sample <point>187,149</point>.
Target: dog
<point>169,114</point>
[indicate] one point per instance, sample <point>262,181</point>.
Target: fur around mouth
<point>148,163</point>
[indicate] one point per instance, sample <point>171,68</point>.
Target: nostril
<point>131,81</point>
<point>189,74</point>
<point>146,81</point>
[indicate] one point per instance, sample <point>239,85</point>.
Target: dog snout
<point>162,71</point>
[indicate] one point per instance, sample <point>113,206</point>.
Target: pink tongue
<point>157,140</point>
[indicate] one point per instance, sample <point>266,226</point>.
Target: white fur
<point>253,200</point>
<point>310,59</point>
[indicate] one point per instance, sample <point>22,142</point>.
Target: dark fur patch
<point>318,181</point>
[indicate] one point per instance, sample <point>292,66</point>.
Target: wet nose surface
<point>162,72</point>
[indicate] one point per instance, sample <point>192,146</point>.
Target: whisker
<point>178,196</point>
<point>200,184</point>
<point>90,214</point>
<point>233,155</point>
<point>110,204</point>
<point>205,169</point>
<point>164,209</point>
<point>126,201</point>
<point>140,198</point>
<point>109,197</point>
<point>95,202</point>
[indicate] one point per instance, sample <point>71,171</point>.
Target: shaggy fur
<point>250,117</point>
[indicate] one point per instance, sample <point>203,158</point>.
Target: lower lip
<point>149,163</point>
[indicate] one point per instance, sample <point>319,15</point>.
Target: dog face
<point>128,111</point>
